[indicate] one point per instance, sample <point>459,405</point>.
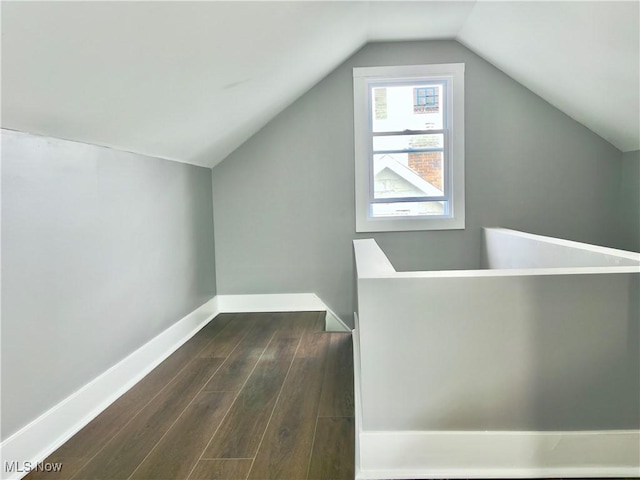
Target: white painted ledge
<point>370,259</point>
<point>511,249</point>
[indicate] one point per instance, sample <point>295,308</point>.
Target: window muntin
<point>426,99</point>
<point>405,142</point>
<point>405,146</point>
<point>408,209</point>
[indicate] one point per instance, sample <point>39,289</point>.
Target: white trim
<point>288,302</point>
<point>285,302</point>
<point>419,455</point>
<point>362,76</point>
<point>357,393</point>
<point>45,434</point>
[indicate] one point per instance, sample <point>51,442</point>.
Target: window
<point>409,147</point>
<point>426,99</point>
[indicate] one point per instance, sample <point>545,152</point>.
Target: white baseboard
<point>287,302</point>
<point>45,434</point>
<point>421,455</point>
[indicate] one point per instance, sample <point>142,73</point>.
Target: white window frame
<point>453,159</point>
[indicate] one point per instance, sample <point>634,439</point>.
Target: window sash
<point>445,106</point>
<point>409,150</point>
<point>409,132</point>
<point>446,166</point>
<point>408,199</point>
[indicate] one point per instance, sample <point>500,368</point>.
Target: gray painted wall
<point>101,251</point>
<point>629,206</point>
<point>284,201</point>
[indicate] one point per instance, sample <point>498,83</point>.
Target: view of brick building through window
<point>428,165</point>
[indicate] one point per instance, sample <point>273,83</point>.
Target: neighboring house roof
<point>192,81</point>
<point>388,163</point>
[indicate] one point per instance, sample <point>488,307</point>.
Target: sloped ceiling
<point>582,57</point>
<point>191,81</point>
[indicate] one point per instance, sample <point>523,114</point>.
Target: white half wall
<point>529,372</point>
<point>504,248</point>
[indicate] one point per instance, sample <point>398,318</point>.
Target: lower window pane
<point>408,175</point>
<point>408,209</point>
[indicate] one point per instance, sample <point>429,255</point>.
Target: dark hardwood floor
<point>250,396</point>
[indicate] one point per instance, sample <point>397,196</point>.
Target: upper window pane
<point>415,106</point>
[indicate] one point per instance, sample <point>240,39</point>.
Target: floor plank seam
<point>219,459</point>
<point>180,415</point>
<point>106,443</point>
<point>315,428</point>
<point>229,409</point>
<point>251,327</point>
<point>336,416</point>
<point>275,404</point>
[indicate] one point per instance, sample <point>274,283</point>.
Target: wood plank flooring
<point>250,396</point>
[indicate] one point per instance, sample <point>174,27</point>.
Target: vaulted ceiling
<point>191,81</point>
